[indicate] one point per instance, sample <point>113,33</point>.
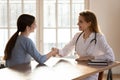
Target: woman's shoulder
<point>100,36</point>
<point>24,39</point>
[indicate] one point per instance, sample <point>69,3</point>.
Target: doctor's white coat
<point>100,50</point>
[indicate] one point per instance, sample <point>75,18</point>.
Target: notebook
<point>99,62</point>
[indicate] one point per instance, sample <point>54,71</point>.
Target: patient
<point>20,48</point>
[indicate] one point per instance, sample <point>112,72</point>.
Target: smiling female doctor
<point>89,43</point>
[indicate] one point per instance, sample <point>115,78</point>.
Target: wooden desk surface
<point>54,69</point>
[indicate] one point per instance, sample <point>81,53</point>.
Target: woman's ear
<point>27,28</point>
<point>89,23</point>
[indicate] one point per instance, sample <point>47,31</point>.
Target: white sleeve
<point>68,47</point>
<point>104,47</point>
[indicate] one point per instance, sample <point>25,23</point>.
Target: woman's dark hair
<point>23,21</point>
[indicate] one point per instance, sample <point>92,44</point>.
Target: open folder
<point>99,62</point>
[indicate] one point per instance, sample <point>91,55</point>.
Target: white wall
<point>108,14</point>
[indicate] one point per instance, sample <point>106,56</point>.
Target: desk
<point>54,69</point>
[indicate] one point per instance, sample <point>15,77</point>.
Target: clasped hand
<point>55,51</point>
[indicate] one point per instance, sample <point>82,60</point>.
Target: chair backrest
<point>2,63</point>
<point>100,76</point>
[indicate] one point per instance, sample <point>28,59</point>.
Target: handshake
<point>54,52</point>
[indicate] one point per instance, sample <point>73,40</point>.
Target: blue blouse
<point>22,52</point>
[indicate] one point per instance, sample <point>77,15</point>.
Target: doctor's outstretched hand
<point>56,50</point>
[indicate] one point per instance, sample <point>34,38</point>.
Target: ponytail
<point>10,45</point>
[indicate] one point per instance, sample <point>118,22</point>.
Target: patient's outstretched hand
<point>57,51</point>
<point>54,52</point>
